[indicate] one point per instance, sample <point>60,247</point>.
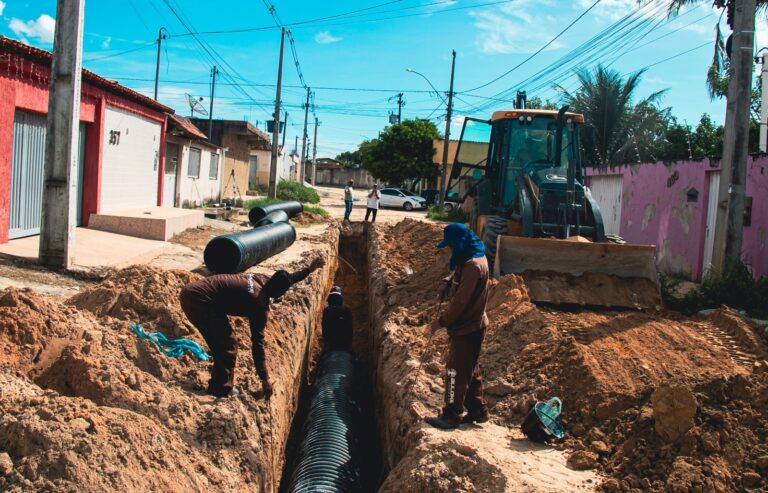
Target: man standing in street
<point>337,323</point>
<point>465,319</point>
<point>374,196</point>
<point>348,198</point>
<point>209,301</point>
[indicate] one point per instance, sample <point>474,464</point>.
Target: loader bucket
<point>581,273</point>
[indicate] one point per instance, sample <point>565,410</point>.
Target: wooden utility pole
<point>730,212</point>
<point>214,71</point>
<point>399,107</point>
<point>276,127</point>
<point>160,38</point>
<point>304,141</point>
<point>443,180</point>
<point>314,154</point>
<point>57,229</point>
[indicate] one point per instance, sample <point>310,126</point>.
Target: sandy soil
<point>332,200</point>
<point>645,394</point>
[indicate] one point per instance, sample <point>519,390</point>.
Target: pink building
<point>673,205</point>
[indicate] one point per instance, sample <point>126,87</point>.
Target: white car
<point>401,198</point>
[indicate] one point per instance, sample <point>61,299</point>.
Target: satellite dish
<point>194,105</point>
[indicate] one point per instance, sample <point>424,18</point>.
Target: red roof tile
<point>8,45</point>
<point>187,127</point>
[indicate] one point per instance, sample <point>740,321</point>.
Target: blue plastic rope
<point>172,347</point>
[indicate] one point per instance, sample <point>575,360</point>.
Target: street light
<point>428,82</point>
<point>447,137</point>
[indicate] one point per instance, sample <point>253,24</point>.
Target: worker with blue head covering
<point>465,320</point>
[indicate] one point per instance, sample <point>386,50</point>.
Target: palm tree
<point>717,75</point>
<point>605,100</point>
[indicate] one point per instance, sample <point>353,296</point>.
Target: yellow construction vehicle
<point>522,172</point>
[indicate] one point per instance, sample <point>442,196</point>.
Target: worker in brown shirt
<point>465,319</point>
<point>209,301</point>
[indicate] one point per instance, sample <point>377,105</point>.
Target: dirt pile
<point>310,218</point>
<point>87,406</point>
<point>140,294</point>
<point>605,366</point>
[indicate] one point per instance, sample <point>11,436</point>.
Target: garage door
<point>607,192</point>
<point>27,174</point>
<point>131,157</point>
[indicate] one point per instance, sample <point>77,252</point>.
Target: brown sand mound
<point>309,218</point>
<point>140,294</point>
<point>605,366</point>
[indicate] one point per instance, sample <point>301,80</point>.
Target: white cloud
<point>614,10</point>
<point>325,37</point>
<point>2,7</point>
<point>761,32</point>
<point>106,42</point>
<point>513,28</point>
<point>42,28</point>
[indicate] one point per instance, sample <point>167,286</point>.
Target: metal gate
<point>171,169</point>
<point>713,194</point>
<point>27,174</point>
<point>607,191</point>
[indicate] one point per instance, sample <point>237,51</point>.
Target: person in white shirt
<point>373,203</point>
<point>348,198</point>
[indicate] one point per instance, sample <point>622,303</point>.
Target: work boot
<point>442,423</point>
<point>478,417</point>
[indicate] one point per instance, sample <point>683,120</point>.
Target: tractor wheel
<point>494,227</point>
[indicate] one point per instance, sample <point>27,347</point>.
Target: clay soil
<point>651,401</point>
<point>87,406</point>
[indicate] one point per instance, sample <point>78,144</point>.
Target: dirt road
<point>332,200</point>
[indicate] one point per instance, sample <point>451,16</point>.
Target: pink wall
<point>656,211</point>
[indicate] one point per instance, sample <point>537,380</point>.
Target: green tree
<point>349,159</point>
<point>403,151</point>
<point>605,100</point>
<point>708,139</point>
<point>536,103</point>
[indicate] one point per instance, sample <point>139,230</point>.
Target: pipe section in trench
<point>290,207</point>
<point>231,253</point>
<point>327,460</point>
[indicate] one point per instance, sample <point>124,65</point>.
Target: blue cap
<point>451,233</point>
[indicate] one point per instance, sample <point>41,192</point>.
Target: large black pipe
<point>327,459</point>
<point>290,207</point>
<point>227,254</point>
<point>271,218</point>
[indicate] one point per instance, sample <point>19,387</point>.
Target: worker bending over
<point>465,319</point>
<point>209,301</point>
<point>337,323</point>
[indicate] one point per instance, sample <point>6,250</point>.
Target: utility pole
<point>314,154</point>
<point>443,182</point>
<point>276,126</point>
<point>304,141</point>
<point>730,212</point>
<point>399,107</point>
<point>295,144</point>
<point>214,71</point>
<point>160,38</point>
<point>57,229</point>
<point>764,104</point>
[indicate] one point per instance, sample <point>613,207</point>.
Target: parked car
<point>399,197</point>
<point>452,199</point>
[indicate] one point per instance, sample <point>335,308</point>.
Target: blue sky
<point>367,53</point>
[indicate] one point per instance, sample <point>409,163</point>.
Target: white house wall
<point>131,161</point>
<point>196,191</point>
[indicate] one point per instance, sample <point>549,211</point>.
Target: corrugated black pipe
<point>289,207</point>
<point>271,218</point>
<point>327,459</point>
<point>227,254</point>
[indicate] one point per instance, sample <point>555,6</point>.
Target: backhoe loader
<point>522,170</point>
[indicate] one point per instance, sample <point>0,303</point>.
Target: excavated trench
<point>351,274</point>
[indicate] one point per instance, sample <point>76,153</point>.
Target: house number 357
<point>114,137</point>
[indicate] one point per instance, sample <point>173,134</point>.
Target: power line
<point>539,50</point>
<point>124,52</point>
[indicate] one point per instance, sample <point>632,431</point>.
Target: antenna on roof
<point>194,105</point>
